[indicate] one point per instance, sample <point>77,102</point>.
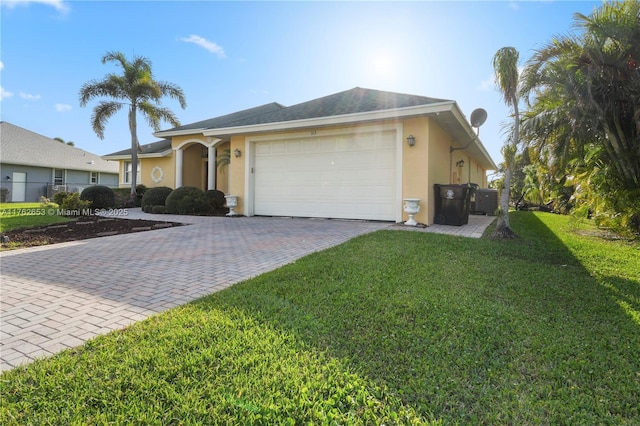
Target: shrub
<point>140,191</point>
<point>74,205</point>
<point>154,197</point>
<point>187,200</point>
<point>59,197</point>
<point>158,209</point>
<point>101,197</point>
<point>216,198</point>
<point>122,197</point>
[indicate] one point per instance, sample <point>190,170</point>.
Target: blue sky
<point>229,56</point>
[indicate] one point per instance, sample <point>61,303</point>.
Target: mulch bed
<point>80,229</point>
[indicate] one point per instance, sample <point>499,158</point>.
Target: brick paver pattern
<point>59,296</point>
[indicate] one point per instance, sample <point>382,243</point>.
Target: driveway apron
<point>59,296</point>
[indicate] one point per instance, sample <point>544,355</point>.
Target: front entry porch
<point>196,166</point>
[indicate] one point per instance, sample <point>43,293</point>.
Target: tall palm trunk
<point>505,65</point>
<point>503,226</point>
<point>133,128</point>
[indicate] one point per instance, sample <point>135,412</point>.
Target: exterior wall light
<point>237,153</point>
<point>411,140</point>
<point>460,163</point>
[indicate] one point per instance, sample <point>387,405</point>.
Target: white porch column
<point>211,173</point>
<point>179,153</point>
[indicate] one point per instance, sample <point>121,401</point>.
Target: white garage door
<point>343,176</point>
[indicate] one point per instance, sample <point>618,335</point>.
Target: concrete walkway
<point>474,229</point>
<point>59,296</point>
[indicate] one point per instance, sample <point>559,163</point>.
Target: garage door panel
<point>344,176</point>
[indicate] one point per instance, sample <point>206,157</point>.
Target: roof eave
<point>171,133</point>
<point>128,156</point>
<point>489,164</point>
<point>333,120</point>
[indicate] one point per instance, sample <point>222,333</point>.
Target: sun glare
<point>383,65</point>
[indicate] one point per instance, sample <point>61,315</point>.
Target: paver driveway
<point>56,297</point>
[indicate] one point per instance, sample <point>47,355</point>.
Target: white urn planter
<point>411,207</point>
<point>232,202</point>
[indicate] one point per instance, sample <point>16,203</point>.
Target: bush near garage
<point>155,197</point>
<point>123,197</point>
<point>187,200</point>
<point>140,191</point>
<point>158,210</point>
<point>216,198</point>
<point>100,196</point>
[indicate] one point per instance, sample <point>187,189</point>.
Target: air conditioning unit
<point>54,189</point>
<point>486,201</point>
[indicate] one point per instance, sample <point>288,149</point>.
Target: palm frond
<point>154,115</point>
<point>102,113</point>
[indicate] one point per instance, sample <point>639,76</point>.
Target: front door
<point>19,187</point>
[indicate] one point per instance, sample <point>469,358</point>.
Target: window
<point>94,178</point>
<point>58,177</point>
<point>127,172</point>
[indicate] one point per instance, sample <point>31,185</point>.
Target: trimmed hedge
<point>158,210</point>
<point>155,197</point>
<point>216,198</point>
<point>187,200</point>
<point>101,197</point>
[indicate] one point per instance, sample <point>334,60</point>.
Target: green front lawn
<point>391,327</point>
<point>25,215</point>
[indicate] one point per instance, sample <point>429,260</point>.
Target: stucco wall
<point>222,173</point>
<point>236,172</point>
<point>165,171</point>
<point>470,173</point>
<point>415,165</point>
<point>192,166</point>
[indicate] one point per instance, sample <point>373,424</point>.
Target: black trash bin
<point>452,204</point>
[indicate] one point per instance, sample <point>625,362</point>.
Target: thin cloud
<point>4,93</point>
<point>488,84</point>
<point>63,107</point>
<point>205,44</point>
<point>59,5</point>
<point>1,65</point>
<point>29,96</point>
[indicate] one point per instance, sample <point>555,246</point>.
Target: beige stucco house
<point>355,155</point>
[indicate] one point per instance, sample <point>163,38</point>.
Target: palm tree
<point>134,88</point>
<point>584,115</point>
<point>505,65</point>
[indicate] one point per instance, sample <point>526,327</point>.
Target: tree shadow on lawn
<point>465,330</point>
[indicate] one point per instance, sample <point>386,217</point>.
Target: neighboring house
<point>32,165</point>
<point>346,155</point>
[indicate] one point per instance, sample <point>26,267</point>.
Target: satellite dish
<point>478,117</point>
